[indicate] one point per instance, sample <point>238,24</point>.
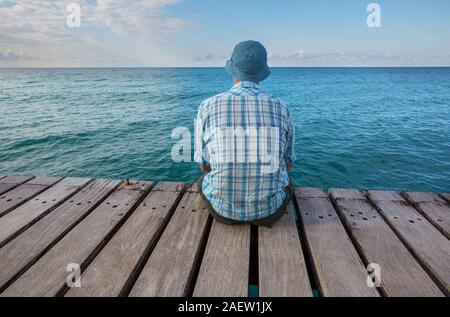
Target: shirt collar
<point>245,84</point>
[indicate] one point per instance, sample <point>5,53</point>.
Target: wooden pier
<point>139,238</point>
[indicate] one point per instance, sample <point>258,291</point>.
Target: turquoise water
<point>356,127</point>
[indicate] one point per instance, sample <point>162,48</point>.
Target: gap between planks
<point>25,192</point>
<point>428,245</point>
<point>337,266</point>
<point>204,252</point>
<point>47,276</point>
<point>432,207</point>
<point>21,253</point>
<point>12,181</point>
<point>401,274</point>
<point>115,269</point>
<point>172,267</point>
<point>21,218</point>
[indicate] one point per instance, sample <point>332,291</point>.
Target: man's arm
<point>289,155</point>
<point>200,149</point>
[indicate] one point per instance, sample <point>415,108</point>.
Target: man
<point>234,132</point>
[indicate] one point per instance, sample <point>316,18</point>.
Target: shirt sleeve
<point>290,155</point>
<point>200,154</point>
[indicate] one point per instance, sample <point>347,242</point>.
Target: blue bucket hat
<point>248,62</point>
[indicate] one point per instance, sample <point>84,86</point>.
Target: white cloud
<point>303,57</point>
<point>137,17</point>
<point>115,29</point>
<point>11,56</point>
<point>204,58</point>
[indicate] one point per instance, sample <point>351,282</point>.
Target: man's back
<point>247,139</point>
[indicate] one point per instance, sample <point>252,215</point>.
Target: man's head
<point>248,62</point>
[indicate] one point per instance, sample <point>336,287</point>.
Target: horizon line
<point>162,67</point>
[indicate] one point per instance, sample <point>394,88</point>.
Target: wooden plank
<point>401,274</point>
<point>432,207</point>
<point>342,193</point>
<point>382,195</point>
<point>15,222</point>
<point>15,179</point>
<point>282,267</point>
<point>169,270</point>
<point>110,272</point>
<point>446,197</point>
<point>420,197</point>
<point>306,192</point>
<point>47,277</point>
<point>20,253</point>
<point>44,180</point>
<point>338,268</point>
<point>428,245</point>
<point>9,182</point>
<point>170,187</point>
<point>224,271</point>
<point>25,192</point>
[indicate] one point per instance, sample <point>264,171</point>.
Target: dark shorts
<point>266,222</point>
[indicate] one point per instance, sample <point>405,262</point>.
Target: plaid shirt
<point>240,185</point>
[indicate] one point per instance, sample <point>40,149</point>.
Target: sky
<point>190,33</point>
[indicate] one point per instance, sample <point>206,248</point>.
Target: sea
<point>366,128</point>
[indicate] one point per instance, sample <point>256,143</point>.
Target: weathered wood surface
<point>47,277</point>
<point>338,268</point>
<point>110,271</point>
<point>282,267</point>
<point>9,182</point>
<point>225,265</point>
<point>401,274</point>
<point>133,240</point>
<point>20,253</point>
<point>433,207</point>
<point>427,243</point>
<point>21,194</point>
<point>169,270</point>
<point>446,197</point>
<point>19,219</point>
